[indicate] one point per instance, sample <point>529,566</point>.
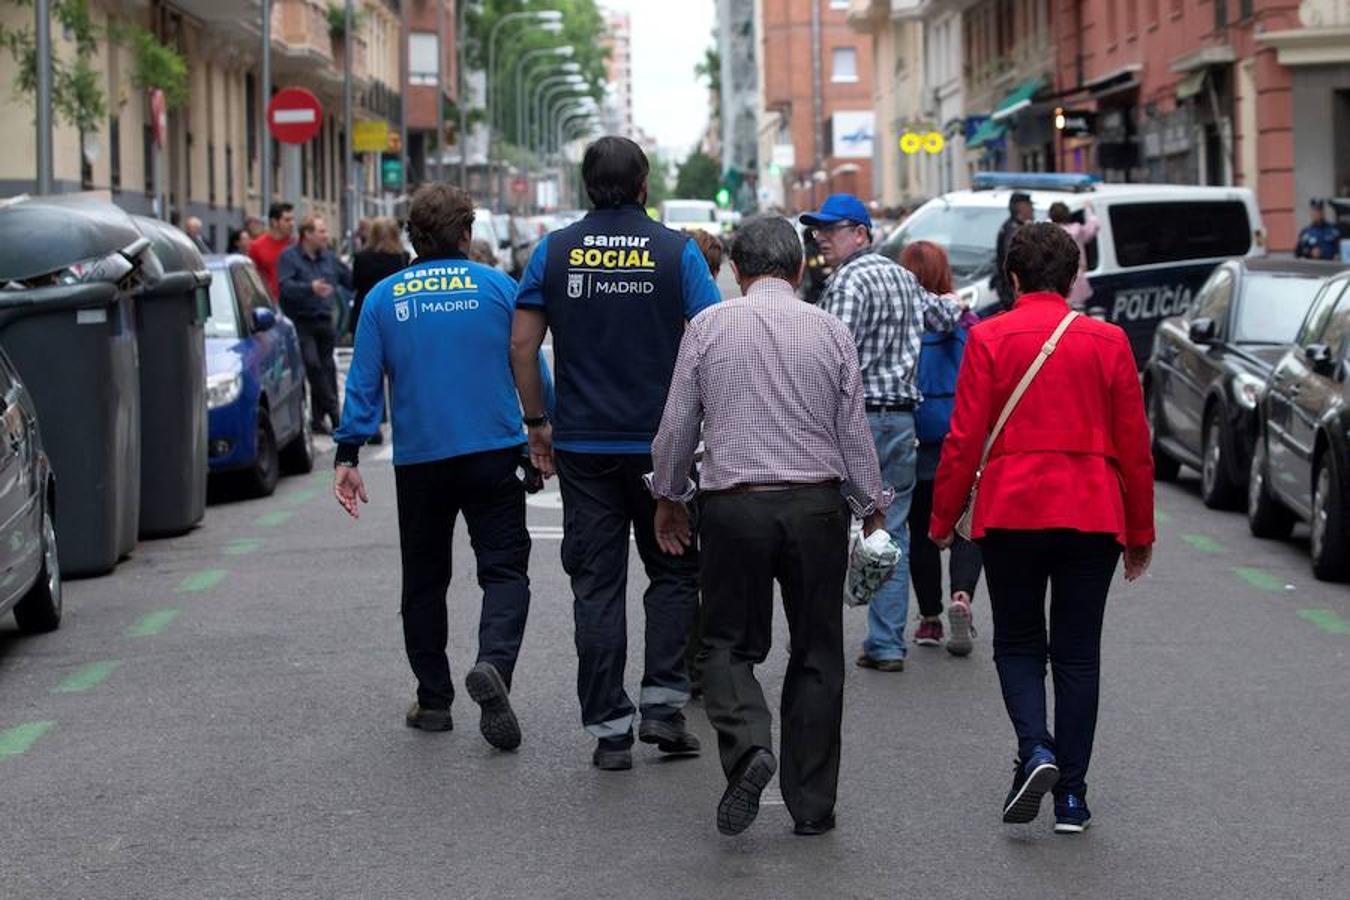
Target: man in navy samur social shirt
<point>440,330</point>
<point>615,290</point>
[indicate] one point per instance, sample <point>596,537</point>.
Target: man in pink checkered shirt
<point>775,386</point>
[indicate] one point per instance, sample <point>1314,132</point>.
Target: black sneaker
<point>740,802</point>
<point>499,725</point>
<point>1072,815</point>
<point>1031,781</point>
<point>669,735</point>
<point>429,719</point>
<point>613,755</point>
<point>808,828</point>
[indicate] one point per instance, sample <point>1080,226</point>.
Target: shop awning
<point>1019,99</point>
<point>988,132</point>
<point>1192,84</point>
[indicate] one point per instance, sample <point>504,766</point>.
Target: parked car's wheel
<point>1217,488</point>
<point>40,609</point>
<point>1165,468</point>
<point>1267,517</point>
<point>262,478</point>
<point>297,457</point>
<point>1330,547</point>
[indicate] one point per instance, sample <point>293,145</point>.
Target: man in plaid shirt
<point>887,311</point>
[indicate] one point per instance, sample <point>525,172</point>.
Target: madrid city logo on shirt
<point>401,311</point>
<point>576,282</point>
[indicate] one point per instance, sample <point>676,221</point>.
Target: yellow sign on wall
<point>371,136</point>
<point>912,142</point>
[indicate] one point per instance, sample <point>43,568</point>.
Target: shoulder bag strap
<point>1032,371</point>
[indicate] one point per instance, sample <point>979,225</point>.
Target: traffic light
<point>723,197</point>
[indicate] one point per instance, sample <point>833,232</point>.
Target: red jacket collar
<point>1040,297</point>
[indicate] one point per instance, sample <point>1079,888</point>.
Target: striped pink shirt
<point>774,382</point>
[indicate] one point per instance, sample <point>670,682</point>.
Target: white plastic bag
<point>871,563</point>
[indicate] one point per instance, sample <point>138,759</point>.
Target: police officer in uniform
<point>440,331</point>
<point>616,290</point>
<point>1321,239</point>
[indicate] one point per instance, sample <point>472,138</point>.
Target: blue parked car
<point>255,381</point>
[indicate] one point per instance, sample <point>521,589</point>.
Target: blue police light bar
<point>1035,181</point>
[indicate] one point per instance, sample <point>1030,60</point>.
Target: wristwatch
<point>536,421</point>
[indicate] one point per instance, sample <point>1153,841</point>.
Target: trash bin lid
<point>57,298</point>
<point>184,268</point>
<point>42,235</point>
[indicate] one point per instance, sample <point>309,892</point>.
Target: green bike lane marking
<point>243,546</point>
<point>1326,620</point>
<point>18,740</point>
<point>302,496</point>
<point>274,518</point>
<point>88,677</point>
<point>1203,542</point>
<point>153,623</point>
<point>1259,579</point>
<point>200,582</point>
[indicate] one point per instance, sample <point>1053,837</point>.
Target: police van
<point>1157,244</point>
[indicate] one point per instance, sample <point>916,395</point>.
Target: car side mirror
<point>1320,358</point>
<point>264,319</point>
<point>1203,331</point>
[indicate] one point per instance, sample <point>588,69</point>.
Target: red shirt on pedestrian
<point>1076,452</point>
<point>265,252</point>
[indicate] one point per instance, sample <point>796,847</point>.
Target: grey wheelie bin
<point>68,323</point>
<point>170,320</point>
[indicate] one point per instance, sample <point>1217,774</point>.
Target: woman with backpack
<point>939,361</point>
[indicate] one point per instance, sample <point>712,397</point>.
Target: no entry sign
<point>294,116</point>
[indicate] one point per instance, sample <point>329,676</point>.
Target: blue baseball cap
<point>838,208</point>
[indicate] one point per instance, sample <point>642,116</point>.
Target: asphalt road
<point>223,717</point>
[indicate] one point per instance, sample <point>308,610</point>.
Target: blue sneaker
<point>1032,780</point>
<point>1072,815</point>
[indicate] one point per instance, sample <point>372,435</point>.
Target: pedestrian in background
<point>1067,483</point>
<point>772,511</point>
<point>887,312</point>
<point>1320,239</point>
<point>1020,212</point>
<point>440,332</point>
<point>382,256</point>
<point>1083,233</point>
<point>481,252</point>
<point>615,291</point>
<point>939,363</point>
<point>192,227</point>
<point>238,241</point>
<point>266,249</point>
<point>309,275</point>
<point>710,245</point>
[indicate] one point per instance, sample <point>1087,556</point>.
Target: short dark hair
<point>615,171</point>
<point>1016,198</point>
<point>439,218</point>
<point>767,246</point>
<point>1043,257</point>
<point>277,210</point>
<point>1059,213</point>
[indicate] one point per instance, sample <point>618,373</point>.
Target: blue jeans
<point>893,433</point>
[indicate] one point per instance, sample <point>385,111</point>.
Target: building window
<point>1220,15</point>
<point>1131,18</point>
<point>229,176</point>
<point>1176,9</point>
<point>250,124</point>
<point>1152,13</point>
<point>423,57</point>
<point>845,64</point>
<point>1112,22</point>
<point>115,153</point>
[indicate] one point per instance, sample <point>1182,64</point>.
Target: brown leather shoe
<point>881,665</point>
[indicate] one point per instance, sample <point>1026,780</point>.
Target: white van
<point>1157,245</point>
<point>691,215</point>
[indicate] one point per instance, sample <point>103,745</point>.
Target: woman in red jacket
<point>1068,484</point>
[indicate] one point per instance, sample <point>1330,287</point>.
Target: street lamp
<point>550,22</point>
<point>566,52</point>
<point>566,118</point>
<point>553,108</point>
<point>545,92</point>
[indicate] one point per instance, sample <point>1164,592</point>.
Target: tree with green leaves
<point>700,177</point>
<point>658,180</point>
<point>583,28</point>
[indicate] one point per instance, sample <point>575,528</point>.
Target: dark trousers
<point>484,487</point>
<point>798,538</point>
<point>1078,569</point>
<point>317,342</point>
<point>925,559</point>
<point>603,498</point>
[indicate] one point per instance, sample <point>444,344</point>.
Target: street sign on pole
<point>391,171</point>
<point>294,116</point>
<point>520,185</point>
<point>159,117</point>
<point>370,136</point>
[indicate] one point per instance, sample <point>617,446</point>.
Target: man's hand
<point>321,287</point>
<point>673,534</point>
<point>875,522</point>
<point>541,449</point>
<point>348,486</point>
<point>945,543</point>
<point>1137,560</point>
